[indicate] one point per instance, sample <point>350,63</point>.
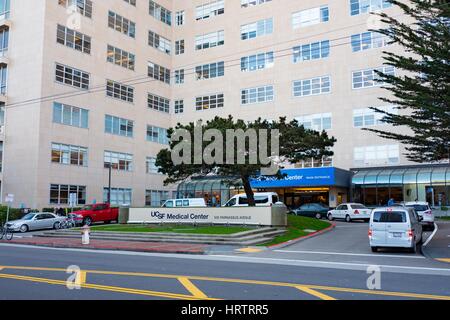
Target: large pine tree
<point>421,85</point>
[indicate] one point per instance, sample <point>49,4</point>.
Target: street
<point>327,267</point>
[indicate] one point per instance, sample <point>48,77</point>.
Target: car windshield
<point>88,208</point>
<point>418,207</point>
<point>358,206</point>
<point>28,216</point>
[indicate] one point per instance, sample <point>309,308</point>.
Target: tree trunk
<point>248,191</point>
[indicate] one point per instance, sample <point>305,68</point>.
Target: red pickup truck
<point>96,213</point>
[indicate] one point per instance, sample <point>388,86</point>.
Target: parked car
<point>395,227</point>
<point>423,210</point>
<point>36,221</point>
<point>349,212</point>
<point>96,213</point>
<point>315,210</point>
<point>261,199</point>
<point>184,203</point>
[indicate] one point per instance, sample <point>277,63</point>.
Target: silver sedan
<point>36,221</point>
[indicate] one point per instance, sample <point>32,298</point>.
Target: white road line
<point>432,235</point>
<point>351,254</point>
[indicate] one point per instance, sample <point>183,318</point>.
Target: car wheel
<point>318,216</point>
<point>24,228</point>
<point>57,225</point>
<point>330,217</point>
<point>348,219</point>
<point>87,221</point>
<point>374,249</point>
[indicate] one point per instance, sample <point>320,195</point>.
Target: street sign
<point>73,199</point>
<point>9,198</point>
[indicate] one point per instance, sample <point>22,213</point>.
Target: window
<point>121,24</point>
<point>120,58</point>
<point>210,40</point>
<point>315,163</point>
<point>314,86</point>
<point>70,116</point>
<point>208,71</point>
<point>312,51</point>
<point>83,7</point>
<point>72,77</point>
<point>209,102</point>
<point>210,9</point>
<point>249,3</point>
<point>376,155</point>
<point>316,122</point>
<point>179,18</point>
<point>158,42</point>
<point>2,115</point>
<point>119,126</point>
<point>257,62</point>
<point>119,91</point>
<point>368,40</point>
<point>257,29</point>
<point>158,135</point>
<point>70,155</point>
<point>179,76</point>
<point>179,47</point>
<point>4,40</point>
<point>179,106</point>
<point>118,161</point>
<point>3,79</point>
<point>257,95</point>
<point>158,103</point>
<point>151,165</point>
<point>119,196</point>
<point>59,193</point>
<point>4,9</point>
<point>368,117</point>
<point>310,17</point>
<point>73,39</point>
<point>159,73</point>
<point>368,78</point>
<point>132,2</point>
<point>160,13</point>
<point>155,198</point>
<point>365,6</point>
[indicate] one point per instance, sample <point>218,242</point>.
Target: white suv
<point>423,210</point>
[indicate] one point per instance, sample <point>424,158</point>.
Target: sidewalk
<point>159,247</point>
<point>439,246</point>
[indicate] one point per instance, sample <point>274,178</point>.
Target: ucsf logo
<point>157,214</point>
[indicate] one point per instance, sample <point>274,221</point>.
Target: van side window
<point>179,203</point>
<point>261,200</point>
<point>243,200</point>
<point>185,203</point>
<point>231,203</point>
<point>275,199</point>
<point>169,204</point>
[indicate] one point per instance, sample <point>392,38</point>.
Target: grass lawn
<point>296,227</point>
<point>172,228</point>
<point>444,218</point>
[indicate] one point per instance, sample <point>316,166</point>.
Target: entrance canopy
<point>430,175</point>
<point>306,177</point>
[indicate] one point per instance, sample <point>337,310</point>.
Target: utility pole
<point>109,183</point>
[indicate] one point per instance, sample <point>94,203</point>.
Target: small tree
<point>220,153</point>
<point>423,85</point>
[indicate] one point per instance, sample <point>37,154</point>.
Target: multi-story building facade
<point>91,84</point>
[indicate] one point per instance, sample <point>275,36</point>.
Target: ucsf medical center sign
<point>263,216</point>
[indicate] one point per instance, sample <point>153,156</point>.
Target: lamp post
<point>109,183</point>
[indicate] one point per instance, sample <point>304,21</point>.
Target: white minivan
<point>261,199</point>
<point>395,227</point>
<point>184,203</point>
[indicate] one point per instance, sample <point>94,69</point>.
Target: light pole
<point>109,183</point>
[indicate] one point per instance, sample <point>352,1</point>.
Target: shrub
<point>14,214</point>
<point>443,208</point>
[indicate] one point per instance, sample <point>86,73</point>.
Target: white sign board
<point>264,216</point>
<point>9,198</point>
<point>73,199</point>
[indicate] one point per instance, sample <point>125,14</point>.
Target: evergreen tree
<point>421,86</point>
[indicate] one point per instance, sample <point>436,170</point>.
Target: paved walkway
<point>160,247</point>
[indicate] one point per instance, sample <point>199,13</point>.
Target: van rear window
<point>389,216</point>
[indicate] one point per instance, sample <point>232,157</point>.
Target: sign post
<point>72,201</point>
<point>8,199</point>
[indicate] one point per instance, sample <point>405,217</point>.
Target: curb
<point>293,241</point>
<point>53,245</point>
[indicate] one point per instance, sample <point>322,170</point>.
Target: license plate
<point>397,234</point>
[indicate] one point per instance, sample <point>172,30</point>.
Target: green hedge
<point>14,214</point>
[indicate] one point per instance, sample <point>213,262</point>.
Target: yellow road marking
<point>82,276</point>
<point>243,281</point>
<point>444,259</point>
<point>249,250</point>
<point>104,288</point>
<point>196,292</point>
<point>315,293</point>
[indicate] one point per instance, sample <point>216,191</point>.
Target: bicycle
<point>6,233</point>
<point>67,223</point>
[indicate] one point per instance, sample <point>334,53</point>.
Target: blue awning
<point>305,177</point>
